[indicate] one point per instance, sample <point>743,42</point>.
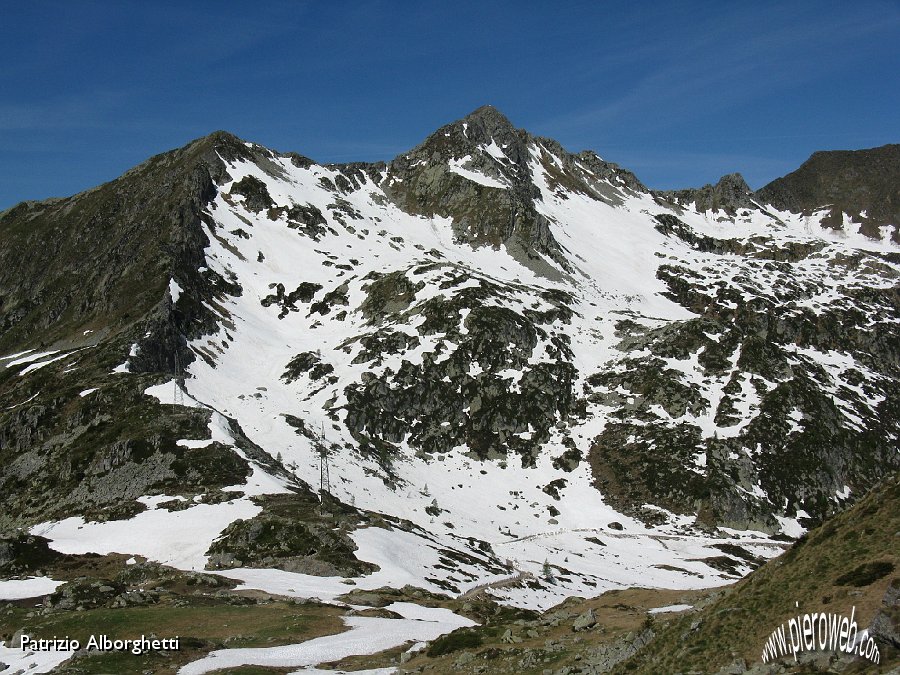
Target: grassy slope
<point>198,608</point>
<point>810,573</point>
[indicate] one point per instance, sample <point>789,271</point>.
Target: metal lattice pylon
<point>324,478</point>
<point>178,393</point>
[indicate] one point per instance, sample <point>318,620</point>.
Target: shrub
<point>865,574</point>
<point>462,638</point>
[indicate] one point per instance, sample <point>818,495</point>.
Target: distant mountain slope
<point>80,279</point>
<point>864,184</point>
<point>512,349</point>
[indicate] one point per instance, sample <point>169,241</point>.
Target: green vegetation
<point>150,599</point>
<point>461,638</point>
<point>865,574</point>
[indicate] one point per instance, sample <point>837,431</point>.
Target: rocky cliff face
<point>498,206</point>
<point>487,324</point>
<point>729,194</point>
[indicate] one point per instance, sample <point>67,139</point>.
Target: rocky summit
<point>490,364</point>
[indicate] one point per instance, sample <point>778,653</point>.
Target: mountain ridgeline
<point>692,359</point>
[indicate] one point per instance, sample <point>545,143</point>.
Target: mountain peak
<point>220,141</point>
<point>221,136</point>
<point>729,194</point>
<point>470,136</point>
<point>487,123</point>
<point>488,117</point>
<point>734,182</point>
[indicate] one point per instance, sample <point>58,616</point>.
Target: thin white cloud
<point>718,67</point>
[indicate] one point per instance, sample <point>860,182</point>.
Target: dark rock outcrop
<point>862,183</point>
<point>730,194</point>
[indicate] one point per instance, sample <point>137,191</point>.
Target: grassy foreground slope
<point>850,561</point>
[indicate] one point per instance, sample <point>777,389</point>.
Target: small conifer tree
<point>547,571</point>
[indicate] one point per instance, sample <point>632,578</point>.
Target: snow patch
<point>29,662</point>
<point>32,587</point>
<point>177,538</point>
<point>457,167</point>
<point>670,608</point>
<point>174,290</point>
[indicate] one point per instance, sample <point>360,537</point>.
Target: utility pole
<point>324,478</point>
<point>178,394</point>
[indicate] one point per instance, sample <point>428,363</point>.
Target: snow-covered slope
<point>546,377</point>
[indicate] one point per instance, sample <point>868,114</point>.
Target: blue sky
<point>678,92</point>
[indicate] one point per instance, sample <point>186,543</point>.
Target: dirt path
<point>771,543</point>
